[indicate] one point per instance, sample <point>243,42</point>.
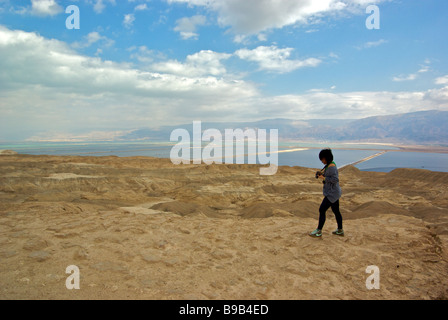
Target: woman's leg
<point>322,212</point>
<point>337,214</point>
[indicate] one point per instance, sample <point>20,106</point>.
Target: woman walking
<point>332,193</point>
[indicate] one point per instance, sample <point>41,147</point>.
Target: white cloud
<point>205,62</point>
<point>438,96</point>
<point>187,26</point>
<point>424,69</point>
<point>45,7</point>
<point>275,59</point>
<point>372,44</point>
<point>251,17</point>
<point>92,38</point>
<point>413,76</point>
<point>141,7</point>
<point>99,5</point>
<point>144,55</point>
<point>409,77</point>
<point>350,105</point>
<point>128,20</point>
<point>44,83</point>
<point>442,80</point>
<point>46,86</point>
<point>262,37</point>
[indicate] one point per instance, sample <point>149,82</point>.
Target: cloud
<point>413,76</point>
<point>141,7</point>
<point>99,5</point>
<point>48,87</point>
<point>275,60</point>
<point>439,97</point>
<point>203,63</point>
<point>92,38</point>
<point>350,105</point>
<point>187,26</point>
<point>372,44</point>
<point>251,17</point>
<point>46,84</point>
<point>402,78</point>
<point>45,7</point>
<point>144,55</point>
<point>206,62</point>
<point>30,59</point>
<point>442,80</point>
<point>424,69</point>
<point>128,20</point>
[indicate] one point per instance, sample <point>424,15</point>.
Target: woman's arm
<point>331,175</point>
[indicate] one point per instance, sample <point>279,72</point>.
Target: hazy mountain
<point>288,129</point>
<point>418,127</point>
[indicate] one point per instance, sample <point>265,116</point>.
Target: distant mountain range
<point>428,127</point>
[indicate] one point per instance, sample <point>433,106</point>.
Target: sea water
<point>415,160</point>
<point>307,156</point>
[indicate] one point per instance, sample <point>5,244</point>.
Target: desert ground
<point>143,228</point>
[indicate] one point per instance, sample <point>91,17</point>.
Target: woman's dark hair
<point>327,154</point>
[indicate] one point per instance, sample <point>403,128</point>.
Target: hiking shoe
<point>316,233</point>
<point>338,232</point>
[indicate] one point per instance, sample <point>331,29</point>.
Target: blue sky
<point>145,63</point>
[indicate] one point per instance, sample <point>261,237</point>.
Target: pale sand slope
<point>142,228</point>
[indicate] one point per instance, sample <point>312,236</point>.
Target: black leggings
<point>326,204</point>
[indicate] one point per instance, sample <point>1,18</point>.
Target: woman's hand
<point>322,177</point>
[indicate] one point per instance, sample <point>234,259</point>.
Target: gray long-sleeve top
<point>332,190</point>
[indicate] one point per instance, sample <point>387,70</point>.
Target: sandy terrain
<point>142,228</point>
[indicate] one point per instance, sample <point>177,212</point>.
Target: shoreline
<point>400,147</point>
<point>297,145</point>
<point>353,164</point>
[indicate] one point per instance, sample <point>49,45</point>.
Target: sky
<point>147,63</point>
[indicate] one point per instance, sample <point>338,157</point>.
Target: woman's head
<point>326,156</point>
